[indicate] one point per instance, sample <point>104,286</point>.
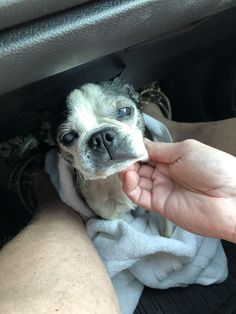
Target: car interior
<point>49,47</point>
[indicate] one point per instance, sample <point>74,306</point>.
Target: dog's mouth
<point>113,148</point>
<point>108,151</point>
<point>118,155</point>
<point>113,165</point>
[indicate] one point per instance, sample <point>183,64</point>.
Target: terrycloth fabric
<point>132,249</point>
<point>136,255</point>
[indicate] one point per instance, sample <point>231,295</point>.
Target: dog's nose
<point>101,138</point>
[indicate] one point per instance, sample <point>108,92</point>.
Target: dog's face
<point>103,130</point>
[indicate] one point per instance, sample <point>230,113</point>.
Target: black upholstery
<point>14,12</point>
<point>57,43</point>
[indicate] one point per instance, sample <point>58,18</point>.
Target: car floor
<point>194,299</point>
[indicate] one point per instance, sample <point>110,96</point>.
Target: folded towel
<point>132,249</point>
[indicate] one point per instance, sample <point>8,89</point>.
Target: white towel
<point>132,249</point>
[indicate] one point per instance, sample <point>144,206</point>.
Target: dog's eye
<point>123,112</point>
<point>68,138</point>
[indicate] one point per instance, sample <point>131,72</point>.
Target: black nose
<point>102,139</point>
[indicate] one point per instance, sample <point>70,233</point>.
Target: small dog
<point>102,133</point>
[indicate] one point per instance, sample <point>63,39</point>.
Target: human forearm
<point>52,266</point>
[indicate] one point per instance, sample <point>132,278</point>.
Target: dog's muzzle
<point>110,150</point>
<point>110,144</point>
<point>104,141</point>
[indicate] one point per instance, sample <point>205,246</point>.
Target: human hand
<point>189,183</point>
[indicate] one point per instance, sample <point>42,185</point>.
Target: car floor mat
<point>194,299</point>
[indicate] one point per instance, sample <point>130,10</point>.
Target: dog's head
<point>102,132</point>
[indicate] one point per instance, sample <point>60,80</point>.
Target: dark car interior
<point>48,48</point>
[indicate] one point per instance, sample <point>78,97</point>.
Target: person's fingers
<point>145,171</point>
<point>134,167</point>
<point>145,184</point>
<point>130,181</point>
<point>142,198</point>
<point>138,195</point>
<point>140,175</point>
<point>164,152</point>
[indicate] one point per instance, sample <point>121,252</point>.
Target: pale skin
<point>190,183</point>
<point>51,266</point>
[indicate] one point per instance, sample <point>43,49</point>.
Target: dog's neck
<point>105,196</point>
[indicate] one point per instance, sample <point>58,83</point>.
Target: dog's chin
<point>112,167</point>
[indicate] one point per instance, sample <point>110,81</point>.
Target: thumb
<point>164,152</point>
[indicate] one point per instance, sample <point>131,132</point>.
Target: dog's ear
<point>127,89</point>
<point>157,131</point>
<point>134,95</point>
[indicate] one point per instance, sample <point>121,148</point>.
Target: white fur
<point>106,197</point>
<point>90,110</point>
